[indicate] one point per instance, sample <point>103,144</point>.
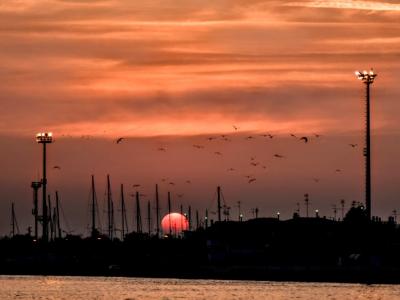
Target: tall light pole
<point>367,78</point>
<point>44,138</point>
<point>35,211</point>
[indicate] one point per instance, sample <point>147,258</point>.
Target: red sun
<point>177,221</point>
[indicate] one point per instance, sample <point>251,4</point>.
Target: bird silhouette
<point>353,145</point>
<point>198,146</point>
<point>252,180</point>
<point>264,167</point>
<point>249,137</point>
<point>317,135</point>
<point>338,170</point>
<point>270,136</point>
<point>252,158</point>
<point>231,169</point>
<point>162,149</point>
<point>278,156</point>
<point>57,167</point>
<point>136,185</point>
<point>211,138</point>
<point>235,127</point>
<point>255,164</point>
<point>304,138</point>
<point>293,135</point>
<point>217,153</point>
<point>119,140</point>
<point>171,183</point>
<point>180,195</point>
<point>188,181</point>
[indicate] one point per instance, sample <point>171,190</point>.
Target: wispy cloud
<point>350,4</point>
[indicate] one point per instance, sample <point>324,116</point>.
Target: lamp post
<point>35,211</point>
<point>367,78</point>
<point>44,138</point>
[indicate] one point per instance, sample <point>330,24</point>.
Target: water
<point>111,288</point>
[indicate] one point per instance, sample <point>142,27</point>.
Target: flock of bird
<point>228,138</point>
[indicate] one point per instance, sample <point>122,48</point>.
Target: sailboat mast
<point>169,213</point>
<point>58,215</point>
<point>157,213</point>
<point>219,202</point>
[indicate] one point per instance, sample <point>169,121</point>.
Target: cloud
<point>350,4</point>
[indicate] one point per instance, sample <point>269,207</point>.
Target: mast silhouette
<point>149,217</point>
<point>190,217</point>
<point>14,222</point>
<point>50,219</point>
<point>219,202</point>
<point>169,213</point>
<point>110,210</point>
<point>138,215</point>
<point>157,213</point>
<point>58,216</point>
<point>124,221</point>
<point>94,209</point>
<point>197,220</point>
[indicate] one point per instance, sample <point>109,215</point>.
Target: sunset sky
<point>171,73</point>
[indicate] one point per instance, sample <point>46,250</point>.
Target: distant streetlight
<point>367,78</point>
<point>44,138</point>
<point>317,213</point>
<point>278,214</point>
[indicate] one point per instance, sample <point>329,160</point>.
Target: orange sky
<point>184,70</point>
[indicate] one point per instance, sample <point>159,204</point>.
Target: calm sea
<point>111,288</point>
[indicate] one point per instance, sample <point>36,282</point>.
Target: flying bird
<point>162,149</point>
<point>136,185</point>
<point>278,156</point>
<point>180,195</point>
<point>188,181</point>
<point>293,135</point>
<point>317,135</point>
<point>338,170</point>
<point>252,180</point>
<point>119,140</point>
<point>235,127</point>
<point>57,167</point>
<point>255,164</point>
<point>171,183</point>
<point>304,138</point>
<point>231,169</point>
<point>249,137</point>
<point>217,153</point>
<point>353,145</point>
<point>198,146</point>
<point>211,138</point>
